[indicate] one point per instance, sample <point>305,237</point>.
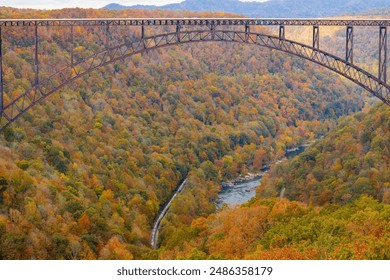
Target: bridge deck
<point>192,21</point>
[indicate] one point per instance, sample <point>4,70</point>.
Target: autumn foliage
<point>84,173</point>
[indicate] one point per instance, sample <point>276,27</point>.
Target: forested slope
<point>83,174</point>
<point>281,229</point>
<point>338,205</point>
<point>352,160</point>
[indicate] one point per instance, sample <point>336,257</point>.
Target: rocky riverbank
<point>245,184</point>
<point>245,178</point>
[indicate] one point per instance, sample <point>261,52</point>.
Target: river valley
<point>240,191</point>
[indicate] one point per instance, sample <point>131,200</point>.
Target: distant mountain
<point>272,8</point>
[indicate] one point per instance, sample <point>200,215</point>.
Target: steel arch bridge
<point>203,30</point>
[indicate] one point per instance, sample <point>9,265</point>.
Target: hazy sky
<point>54,4</point>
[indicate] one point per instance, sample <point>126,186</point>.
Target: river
<point>238,193</point>
<point>231,195</point>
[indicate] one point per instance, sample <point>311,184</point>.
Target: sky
<point>58,4</point>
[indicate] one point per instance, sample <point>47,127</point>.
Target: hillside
<point>352,160</point>
<point>285,230</point>
<point>271,8</point>
<point>345,172</point>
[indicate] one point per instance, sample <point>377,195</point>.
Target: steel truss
<point>42,88</point>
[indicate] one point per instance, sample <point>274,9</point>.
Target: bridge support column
<point>143,33</point>
<point>316,37</point>
<point>349,45</point>
<point>1,76</point>
<point>71,46</point>
<point>382,75</point>
<point>107,36</point>
<point>247,31</point>
<point>178,28</point>
<point>212,30</point>
<point>36,58</point>
<point>282,34</point>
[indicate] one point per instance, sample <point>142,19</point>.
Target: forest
<point>84,173</point>
<point>336,203</point>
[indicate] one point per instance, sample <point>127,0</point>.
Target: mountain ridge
<point>271,8</point>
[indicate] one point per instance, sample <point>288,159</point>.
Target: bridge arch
<point>67,75</point>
